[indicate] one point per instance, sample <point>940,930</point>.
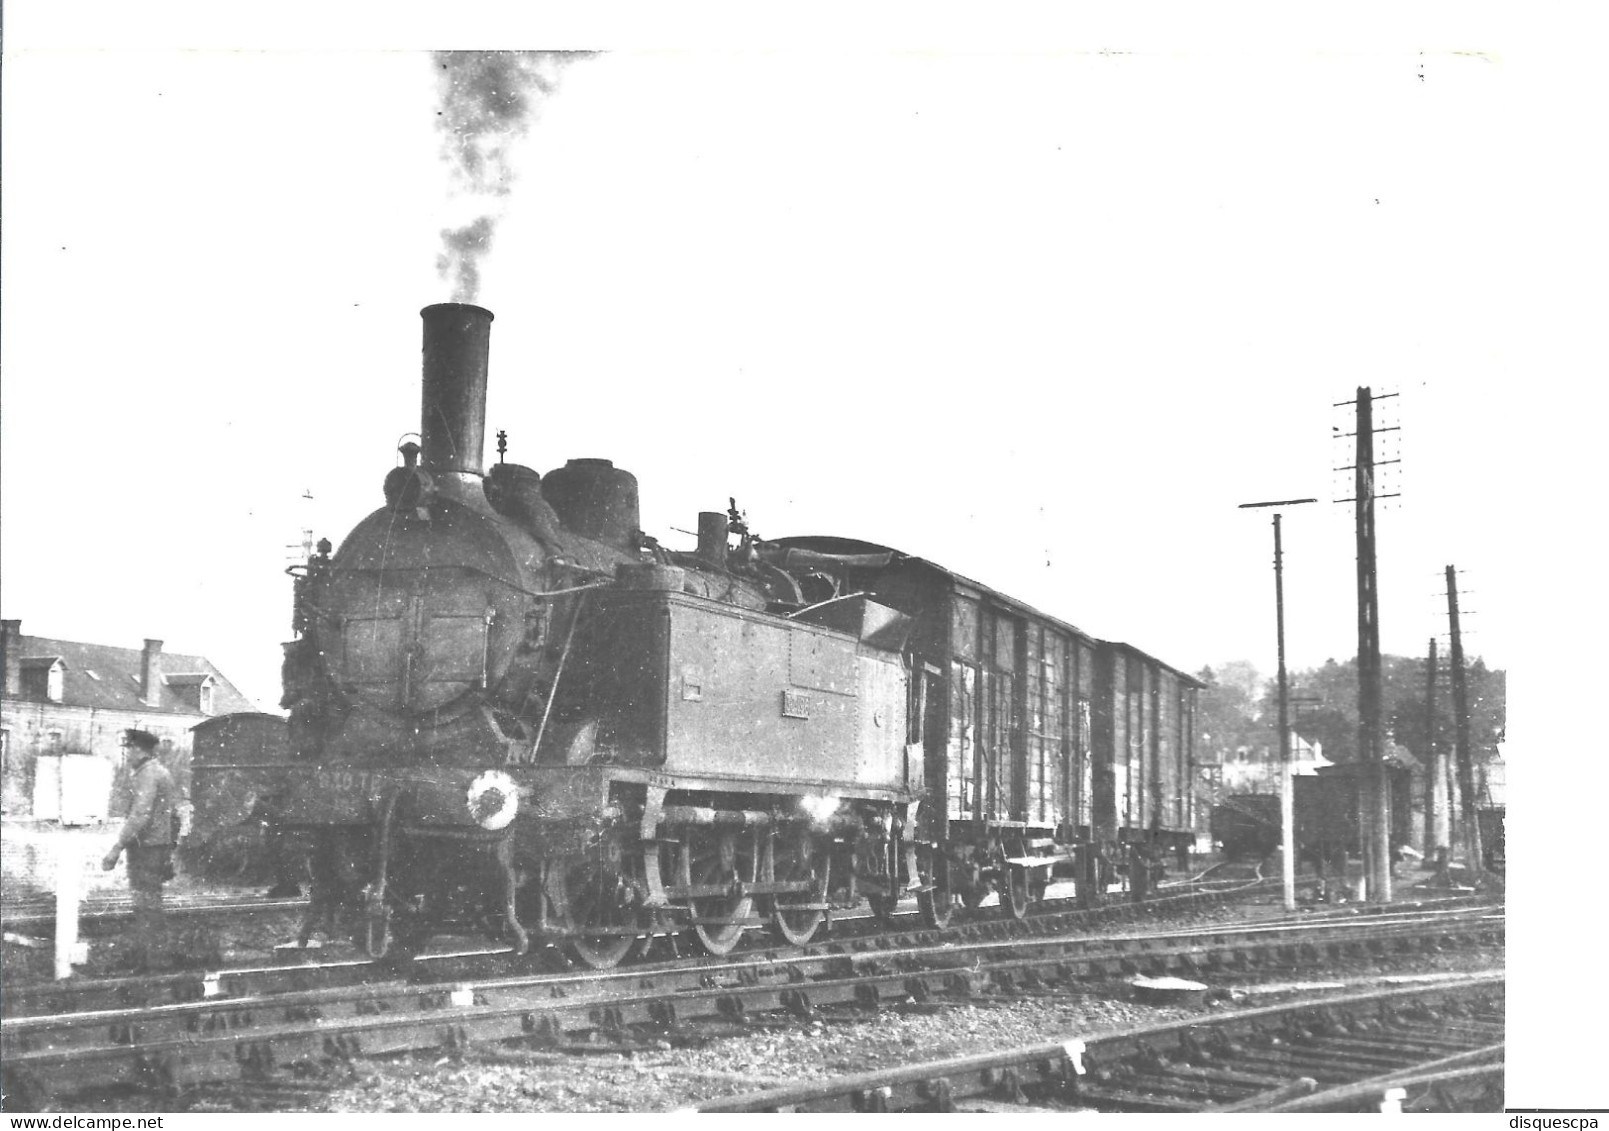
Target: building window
<point>206,698</point>
<point>53,689</point>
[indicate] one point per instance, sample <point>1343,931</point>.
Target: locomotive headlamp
<point>493,800</point>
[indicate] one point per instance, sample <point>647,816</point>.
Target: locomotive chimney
<point>453,416</point>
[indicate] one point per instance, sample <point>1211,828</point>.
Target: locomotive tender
<point>511,709</point>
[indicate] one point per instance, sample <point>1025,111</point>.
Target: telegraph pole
<point>1466,769</point>
<point>1374,792</point>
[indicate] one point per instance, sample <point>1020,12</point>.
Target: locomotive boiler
<point>512,712</point>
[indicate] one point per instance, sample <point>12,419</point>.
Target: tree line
<point>1239,708</point>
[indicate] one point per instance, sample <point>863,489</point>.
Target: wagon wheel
<point>1017,897</point>
<point>795,860</point>
<point>598,916</point>
<point>937,904</point>
<point>713,860</point>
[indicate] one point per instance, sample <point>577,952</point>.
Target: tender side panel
<point>884,724</point>
<point>752,696</point>
<point>611,695</point>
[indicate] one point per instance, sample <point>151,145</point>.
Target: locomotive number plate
<point>346,784</point>
<point>795,704</point>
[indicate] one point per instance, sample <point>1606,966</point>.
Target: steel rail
<point>186,1043</point>
<point>360,977</point>
<point>88,993</point>
<point>1373,1094</point>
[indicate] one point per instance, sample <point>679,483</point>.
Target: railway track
<point>38,919</point>
<point>249,1036</point>
<point>1427,1048</point>
<point>303,970</point>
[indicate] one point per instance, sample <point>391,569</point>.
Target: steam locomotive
<point>512,711</point>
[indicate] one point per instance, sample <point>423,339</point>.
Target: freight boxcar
<point>1327,813</point>
<point>1248,825</point>
<point>1036,732</point>
<point>239,771</point>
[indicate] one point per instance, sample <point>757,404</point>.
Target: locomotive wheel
<point>713,859</point>
<point>938,904</point>
<point>594,905</point>
<point>795,857</point>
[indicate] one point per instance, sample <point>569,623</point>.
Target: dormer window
<point>43,677</point>
<point>192,690</point>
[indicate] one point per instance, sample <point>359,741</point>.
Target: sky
<point>1045,318</point>
<point>1040,300</point>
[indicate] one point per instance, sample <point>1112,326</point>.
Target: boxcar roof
<point>238,716</point>
<point>829,544</point>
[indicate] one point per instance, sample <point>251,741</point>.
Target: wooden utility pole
<point>1437,837</point>
<point>1287,804</point>
<point>1374,801</point>
<point>1466,768</point>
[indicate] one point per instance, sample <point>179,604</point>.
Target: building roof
<point>106,677</point>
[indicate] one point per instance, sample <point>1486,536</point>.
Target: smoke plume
<point>488,100</point>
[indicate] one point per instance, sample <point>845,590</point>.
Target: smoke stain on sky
<point>488,101</point>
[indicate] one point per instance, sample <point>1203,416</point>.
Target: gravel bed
<point>665,1078</point>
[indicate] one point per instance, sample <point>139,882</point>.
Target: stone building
<point>65,707</point>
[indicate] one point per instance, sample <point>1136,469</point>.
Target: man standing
<point>149,835</point>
